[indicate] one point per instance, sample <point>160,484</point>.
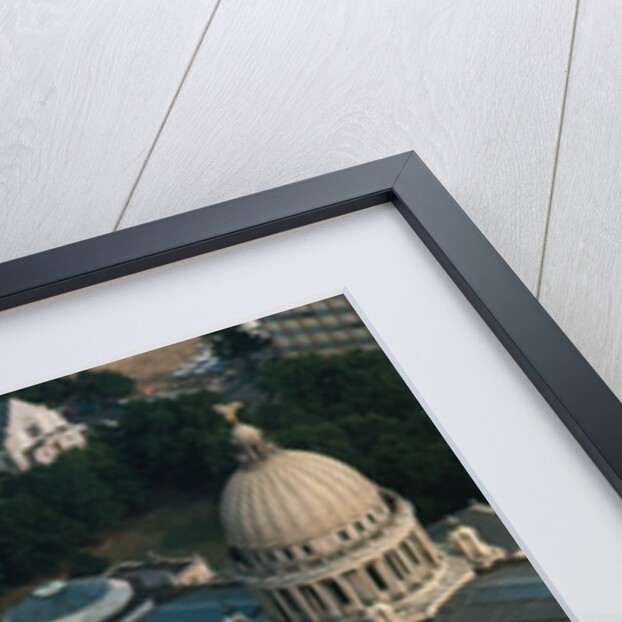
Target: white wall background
<point>116,113</point>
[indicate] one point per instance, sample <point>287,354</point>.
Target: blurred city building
<point>82,600</point>
<point>31,434</point>
<point>156,590</point>
<point>220,601</point>
<point>310,539</point>
<point>325,327</point>
<point>316,541</point>
<point>163,573</point>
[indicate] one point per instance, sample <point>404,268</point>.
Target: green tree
<point>33,538</point>
<point>68,503</point>
<point>84,564</point>
<point>87,386</point>
<point>355,407</point>
<point>102,385</point>
<point>52,393</point>
<point>237,344</point>
<point>72,487</point>
<point>180,442</point>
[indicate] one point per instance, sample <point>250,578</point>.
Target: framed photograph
<point>413,436</point>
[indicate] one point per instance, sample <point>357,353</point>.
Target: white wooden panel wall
<point>112,114</point>
<point>84,87</point>
<point>582,276</point>
<point>284,90</point>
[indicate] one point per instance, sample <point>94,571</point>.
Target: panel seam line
<point>547,219</point>
<point>166,116</point>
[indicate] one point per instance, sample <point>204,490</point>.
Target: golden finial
<point>229,411</point>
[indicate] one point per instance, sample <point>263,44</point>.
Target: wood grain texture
<point>84,87</point>
<point>582,270</point>
<point>283,91</point>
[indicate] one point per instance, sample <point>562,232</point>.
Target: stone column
<point>291,614</point>
<point>295,605</point>
<point>334,610</point>
<point>363,585</point>
<point>427,544</point>
<point>395,587</point>
<point>427,560</point>
<point>307,612</point>
<point>405,563</point>
<point>399,587</point>
<point>416,565</point>
<point>356,604</point>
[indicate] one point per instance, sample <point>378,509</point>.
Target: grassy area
<point>157,365</point>
<point>178,526</point>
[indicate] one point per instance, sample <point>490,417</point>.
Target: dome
<point>87,600</point>
<point>289,497</point>
<point>244,435</point>
<point>313,538</point>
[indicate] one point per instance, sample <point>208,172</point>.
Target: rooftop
<point>208,604</point>
<point>61,601</point>
<point>511,593</point>
<point>482,518</point>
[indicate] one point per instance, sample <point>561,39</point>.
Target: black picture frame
<point>572,388</point>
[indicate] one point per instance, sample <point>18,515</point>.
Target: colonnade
<point>392,575</point>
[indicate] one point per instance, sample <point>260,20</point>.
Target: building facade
<point>32,434</point>
<point>310,539</point>
<point>325,327</point>
<point>158,572</point>
<point>316,541</point>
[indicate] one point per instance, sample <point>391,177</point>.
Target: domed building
<point>316,540</point>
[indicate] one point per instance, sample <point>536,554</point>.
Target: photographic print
<point>279,471</point>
